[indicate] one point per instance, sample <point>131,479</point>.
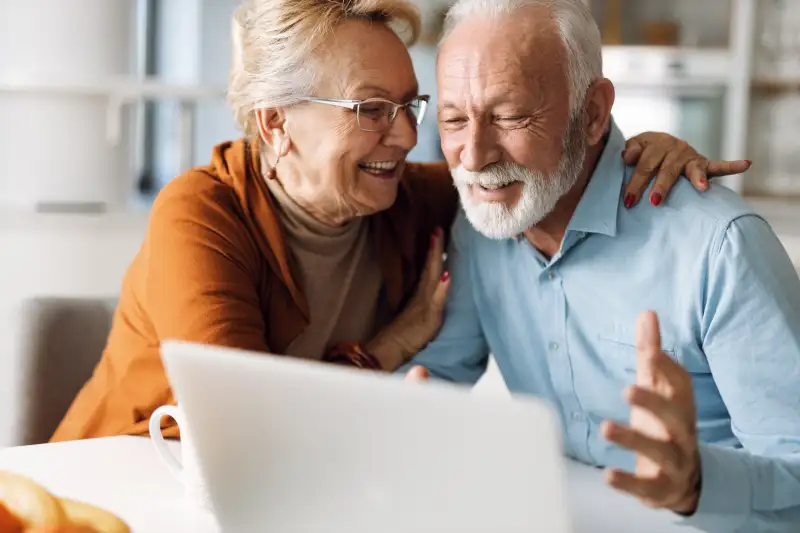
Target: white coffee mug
<point>187,468</point>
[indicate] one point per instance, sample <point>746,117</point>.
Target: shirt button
<point>554,346</point>
<point>552,276</point>
<point>577,416</point>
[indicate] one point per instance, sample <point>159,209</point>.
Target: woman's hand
<point>666,158</point>
<point>422,318</point>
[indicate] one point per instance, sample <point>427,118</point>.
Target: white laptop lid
<point>289,445</point>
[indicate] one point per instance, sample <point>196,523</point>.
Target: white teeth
<point>493,186</point>
<point>380,165</point>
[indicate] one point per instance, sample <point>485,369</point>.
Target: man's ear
<point>272,127</point>
<point>599,101</point>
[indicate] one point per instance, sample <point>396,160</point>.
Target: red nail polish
<point>630,199</point>
<point>704,183</point>
<point>624,152</point>
<point>656,198</point>
<point>749,162</point>
<point>445,276</point>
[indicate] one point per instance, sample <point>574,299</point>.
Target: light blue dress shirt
<point>728,301</point>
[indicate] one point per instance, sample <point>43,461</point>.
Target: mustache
<point>493,175</point>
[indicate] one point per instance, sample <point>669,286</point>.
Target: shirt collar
<point>598,208</point>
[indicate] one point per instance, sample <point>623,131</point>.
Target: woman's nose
<point>402,132</point>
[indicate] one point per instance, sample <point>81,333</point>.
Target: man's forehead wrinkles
<point>485,69</point>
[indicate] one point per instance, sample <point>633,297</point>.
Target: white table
<point>124,476</point>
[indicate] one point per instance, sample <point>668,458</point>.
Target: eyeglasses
<point>377,114</point>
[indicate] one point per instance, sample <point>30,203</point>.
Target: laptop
<point>289,445</point>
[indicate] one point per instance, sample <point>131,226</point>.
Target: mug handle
<point>158,438</point>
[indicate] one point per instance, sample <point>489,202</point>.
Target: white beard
<point>540,192</point>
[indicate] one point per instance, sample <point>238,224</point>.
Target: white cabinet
<point>699,87</point>
<point>54,149</point>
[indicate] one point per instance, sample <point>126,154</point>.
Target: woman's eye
<point>373,110</point>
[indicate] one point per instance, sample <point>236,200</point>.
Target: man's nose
<point>480,150</point>
<point>402,132</point>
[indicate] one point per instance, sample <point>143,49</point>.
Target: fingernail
<point>704,183</point>
<point>630,199</point>
<point>749,162</point>
<point>445,276</point>
<point>433,240</point>
<point>624,152</point>
<point>438,232</point>
<point>656,198</point>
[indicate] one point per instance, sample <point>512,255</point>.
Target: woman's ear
<point>272,127</point>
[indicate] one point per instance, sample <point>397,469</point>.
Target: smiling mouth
<point>495,187</point>
<point>504,193</point>
<point>384,169</point>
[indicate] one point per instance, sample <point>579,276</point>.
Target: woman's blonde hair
<point>274,43</point>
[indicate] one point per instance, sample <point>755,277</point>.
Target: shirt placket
<point>562,370</point>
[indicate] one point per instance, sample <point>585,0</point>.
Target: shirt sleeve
<point>751,338</point>
<point>460,352</point>
<point>200,284</point>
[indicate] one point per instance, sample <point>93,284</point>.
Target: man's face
<point>504,119</point>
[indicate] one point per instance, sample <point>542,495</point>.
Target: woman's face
<point>331,166</point>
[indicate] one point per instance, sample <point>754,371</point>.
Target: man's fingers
<point>648,346</point>
<point>727,168</point>
<point>653,366</point>
<point>672,379</point>
<point>652,492</point>
<point>418,373</point>
<point>667,411</point>
<point>661,453</point>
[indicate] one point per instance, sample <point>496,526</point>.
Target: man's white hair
<point>574,23</point>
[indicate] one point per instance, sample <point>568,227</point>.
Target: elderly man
<point>549,274</point>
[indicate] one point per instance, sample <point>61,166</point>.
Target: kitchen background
<point>139,87</point>
<point>102,102</point>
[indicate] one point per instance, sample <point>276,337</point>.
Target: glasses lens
<point>374,115</point>
<point>416,110</point>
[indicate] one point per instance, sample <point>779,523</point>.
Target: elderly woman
<point>311,237</point>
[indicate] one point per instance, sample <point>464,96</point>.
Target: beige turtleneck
<point>340,276</point>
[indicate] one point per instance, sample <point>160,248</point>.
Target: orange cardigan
<point>214,269</point>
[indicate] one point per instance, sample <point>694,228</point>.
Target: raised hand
<point>662,429</point>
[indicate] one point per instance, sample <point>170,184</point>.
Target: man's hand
<point>417,374</point>
<point>662,429</point>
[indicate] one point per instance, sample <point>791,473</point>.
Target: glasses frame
<point>355,106</point>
